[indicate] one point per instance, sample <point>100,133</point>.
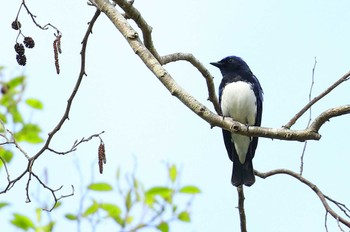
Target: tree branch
<point>45,147</point>
<point>242,216</point>
<point>202,111</point>
<point>202,69</point>
<point>133,13</point>
<point>328,114</point>
<point>312,186</point>
<point>345,77</point>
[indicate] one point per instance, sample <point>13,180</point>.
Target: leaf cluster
<point>12,106</point>
<point>140,207</point>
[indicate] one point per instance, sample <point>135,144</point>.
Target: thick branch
<point>202,69</point>
<point>133,13</point>
<point>326,115</point>
<point>312,186</point>
<point>158,70</point>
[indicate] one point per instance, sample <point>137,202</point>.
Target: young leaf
<point>29,133</point>
<point>22,222</point>
<point>3,204</point>
<point>112,210</point>
<point>184,216</point>
<point>129,219</point>
<point>71,217</point>
<point>128,201</point>
<point>189,189</point>
<point>38,212</point>
<point>100,187</point>
<point>162,191</point>
<point>91,210</point>
<point>34,103</point>
<point>15,82</point>
<point>16,115</point>
<point>47,228</point>
<point>172,173</point>
<point>6,155</point>
<point>163,227</point>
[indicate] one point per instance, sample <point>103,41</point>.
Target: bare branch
<point>312,186</point>
<point>53,192</point>
<point>45,147</point>
<point>345,77</point>
<point>75,90</point>
<point>202,69</point>
<point>242,216</point>
<point>75,144</point>
<point>133,13</point>
<point>6,170</point>
<point>328,114</point>
<point>341,206</point>
<point>310,117</point>
<point>13,141</point>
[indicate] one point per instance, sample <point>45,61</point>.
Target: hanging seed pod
<point>21,59</point>
<point>16,25</point>
<point>101,156</point>
<point>19,48</point>
<point>28,42</point>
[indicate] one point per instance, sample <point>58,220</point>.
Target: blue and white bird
<point>240,97</point>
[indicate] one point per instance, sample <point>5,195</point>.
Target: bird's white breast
<point>238,101</point>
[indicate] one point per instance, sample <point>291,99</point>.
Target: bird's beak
<point>216,64</point>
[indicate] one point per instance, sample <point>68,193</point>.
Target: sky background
<point>278,40</point>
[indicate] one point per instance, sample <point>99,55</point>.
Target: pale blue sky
<point>278,40</point>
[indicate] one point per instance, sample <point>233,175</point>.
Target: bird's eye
<point>230,60</point>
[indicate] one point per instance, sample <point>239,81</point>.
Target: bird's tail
<point>243,173</point>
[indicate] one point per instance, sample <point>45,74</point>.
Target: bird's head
<point>231,64</point>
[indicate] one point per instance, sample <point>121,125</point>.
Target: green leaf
<point>111,209</point>
<point>35,103</point>
<point>117,175</point>
<point>128,201</point>
<point>58,204</point>
<point>16,82</point>
<point>163,227</point>
<point>100,187</point>
<point>172,173</point>
<point>22,222</point>
<point>6,155</point>
<point>162,191</point>
<point>71,217</point>
<point>184,216</point>
<point>129,219</point>
<point>29,133</point>
<point>3,118</point>
<point>92,209</point>
<point>38,212</point>
<point>16,115</point>
<point>3,204</point>
<point>189,189</point>
<point>47,228</point>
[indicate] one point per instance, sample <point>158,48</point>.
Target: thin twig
<point>310,117</point>
<point>312,186</point>
<point>345,77</point>
<point>75,144</point>
<point>65,116</point>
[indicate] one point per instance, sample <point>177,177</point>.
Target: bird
<point>240,98</point>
